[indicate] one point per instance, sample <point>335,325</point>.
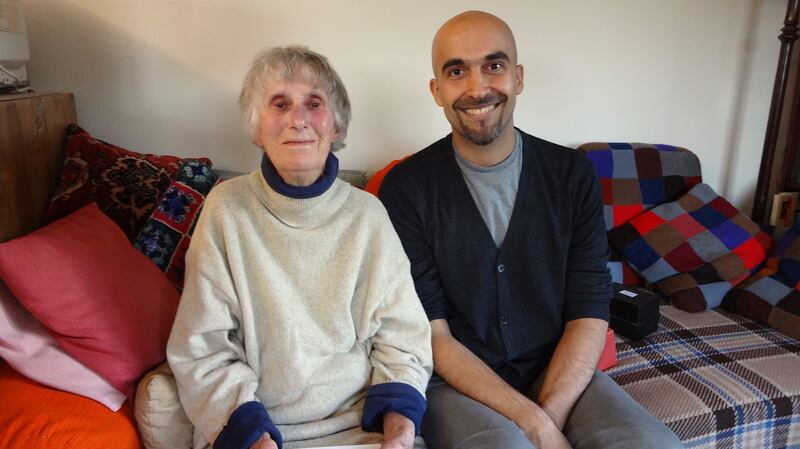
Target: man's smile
<point>480,111</point>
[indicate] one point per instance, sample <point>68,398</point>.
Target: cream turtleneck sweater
<point>299,304</point>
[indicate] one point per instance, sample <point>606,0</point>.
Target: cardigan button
<point>504,320</point>
<point>501,268</point>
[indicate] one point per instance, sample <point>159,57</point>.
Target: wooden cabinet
<point>32,139</point>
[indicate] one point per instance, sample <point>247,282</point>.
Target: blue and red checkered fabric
<point>635,177</point>
<point>693,249</point>
<point>772,296</point>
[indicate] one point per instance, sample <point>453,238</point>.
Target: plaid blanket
<point>716,379</point>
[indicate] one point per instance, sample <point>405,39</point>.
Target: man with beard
<point>508,252</point>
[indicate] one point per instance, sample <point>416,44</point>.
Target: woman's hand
<point>398,432</point>
<point>265,442</point>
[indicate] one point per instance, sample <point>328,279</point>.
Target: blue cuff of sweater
<point>245,426</point>
<point>392,397</point>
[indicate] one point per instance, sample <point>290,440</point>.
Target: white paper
<point>358,446</point>
<point>628,293</point>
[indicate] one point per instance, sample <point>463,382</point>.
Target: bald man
<point>508,251</point>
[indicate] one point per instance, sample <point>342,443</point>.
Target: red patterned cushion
<point>166,235</point>
<point>125,185</point>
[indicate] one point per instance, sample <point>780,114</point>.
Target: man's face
<point>477,78</point>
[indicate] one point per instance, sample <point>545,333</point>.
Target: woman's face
<point>296,130</point>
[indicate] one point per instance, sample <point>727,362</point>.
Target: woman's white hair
<point>293,63</point>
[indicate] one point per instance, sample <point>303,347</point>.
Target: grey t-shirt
<point>494,189</point>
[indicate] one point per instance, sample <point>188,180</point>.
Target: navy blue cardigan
<point>507,305</point>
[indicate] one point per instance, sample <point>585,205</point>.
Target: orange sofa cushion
<point>33,416</point>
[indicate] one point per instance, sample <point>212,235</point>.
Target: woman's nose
<point>299,117</point>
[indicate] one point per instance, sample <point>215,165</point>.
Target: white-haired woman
<point>299,325</point>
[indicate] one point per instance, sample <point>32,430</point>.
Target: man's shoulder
<point>555,158</point>
<point>549,150</point>
<point>421,167</point>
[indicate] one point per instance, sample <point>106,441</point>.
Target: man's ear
<point>519,75</point>
<point>434,86</point>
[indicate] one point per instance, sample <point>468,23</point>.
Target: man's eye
<point>456,72</point>
<point>495,66</point>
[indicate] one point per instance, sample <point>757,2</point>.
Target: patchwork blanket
<point>635,177</point>
<point>693,249</point>
<point>771,296</point>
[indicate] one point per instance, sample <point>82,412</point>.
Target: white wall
<point>163,76</point>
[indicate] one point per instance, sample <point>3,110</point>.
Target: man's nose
<point>478,84</point>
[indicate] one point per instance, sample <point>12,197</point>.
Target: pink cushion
<point>26,346</point>
<point>103,301</point>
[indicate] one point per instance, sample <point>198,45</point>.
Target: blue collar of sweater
<point>319,186</point>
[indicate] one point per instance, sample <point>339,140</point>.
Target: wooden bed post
<point>787,38</point>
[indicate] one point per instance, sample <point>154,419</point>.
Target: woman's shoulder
<point>364,201</point>
<point>227,195</point>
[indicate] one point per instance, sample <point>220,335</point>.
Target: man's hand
<point>265,442</point>
<point>571,367</point>
<point>465,372</point>
<point>398,432</point>
<point>540,429</point>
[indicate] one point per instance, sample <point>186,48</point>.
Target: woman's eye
<point>316,104</point>
<point>280,105</point>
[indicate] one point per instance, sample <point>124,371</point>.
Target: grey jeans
<point>604,417</point>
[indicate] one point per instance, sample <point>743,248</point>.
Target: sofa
<point>70,378</point>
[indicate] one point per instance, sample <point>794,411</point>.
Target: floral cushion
<point>125,185</point>
<point>693,249</point>
<point>165,237</point>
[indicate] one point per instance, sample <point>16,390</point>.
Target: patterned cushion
<point>695,249</point>
<point>772,296</point>
<point>125,185</point>
<point>635,177</point>
<point>165,237</point>
<point>716,379</point>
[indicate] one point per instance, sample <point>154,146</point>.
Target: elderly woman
<point>299,325</point>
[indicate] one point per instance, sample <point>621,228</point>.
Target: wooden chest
<point>34,125</point>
